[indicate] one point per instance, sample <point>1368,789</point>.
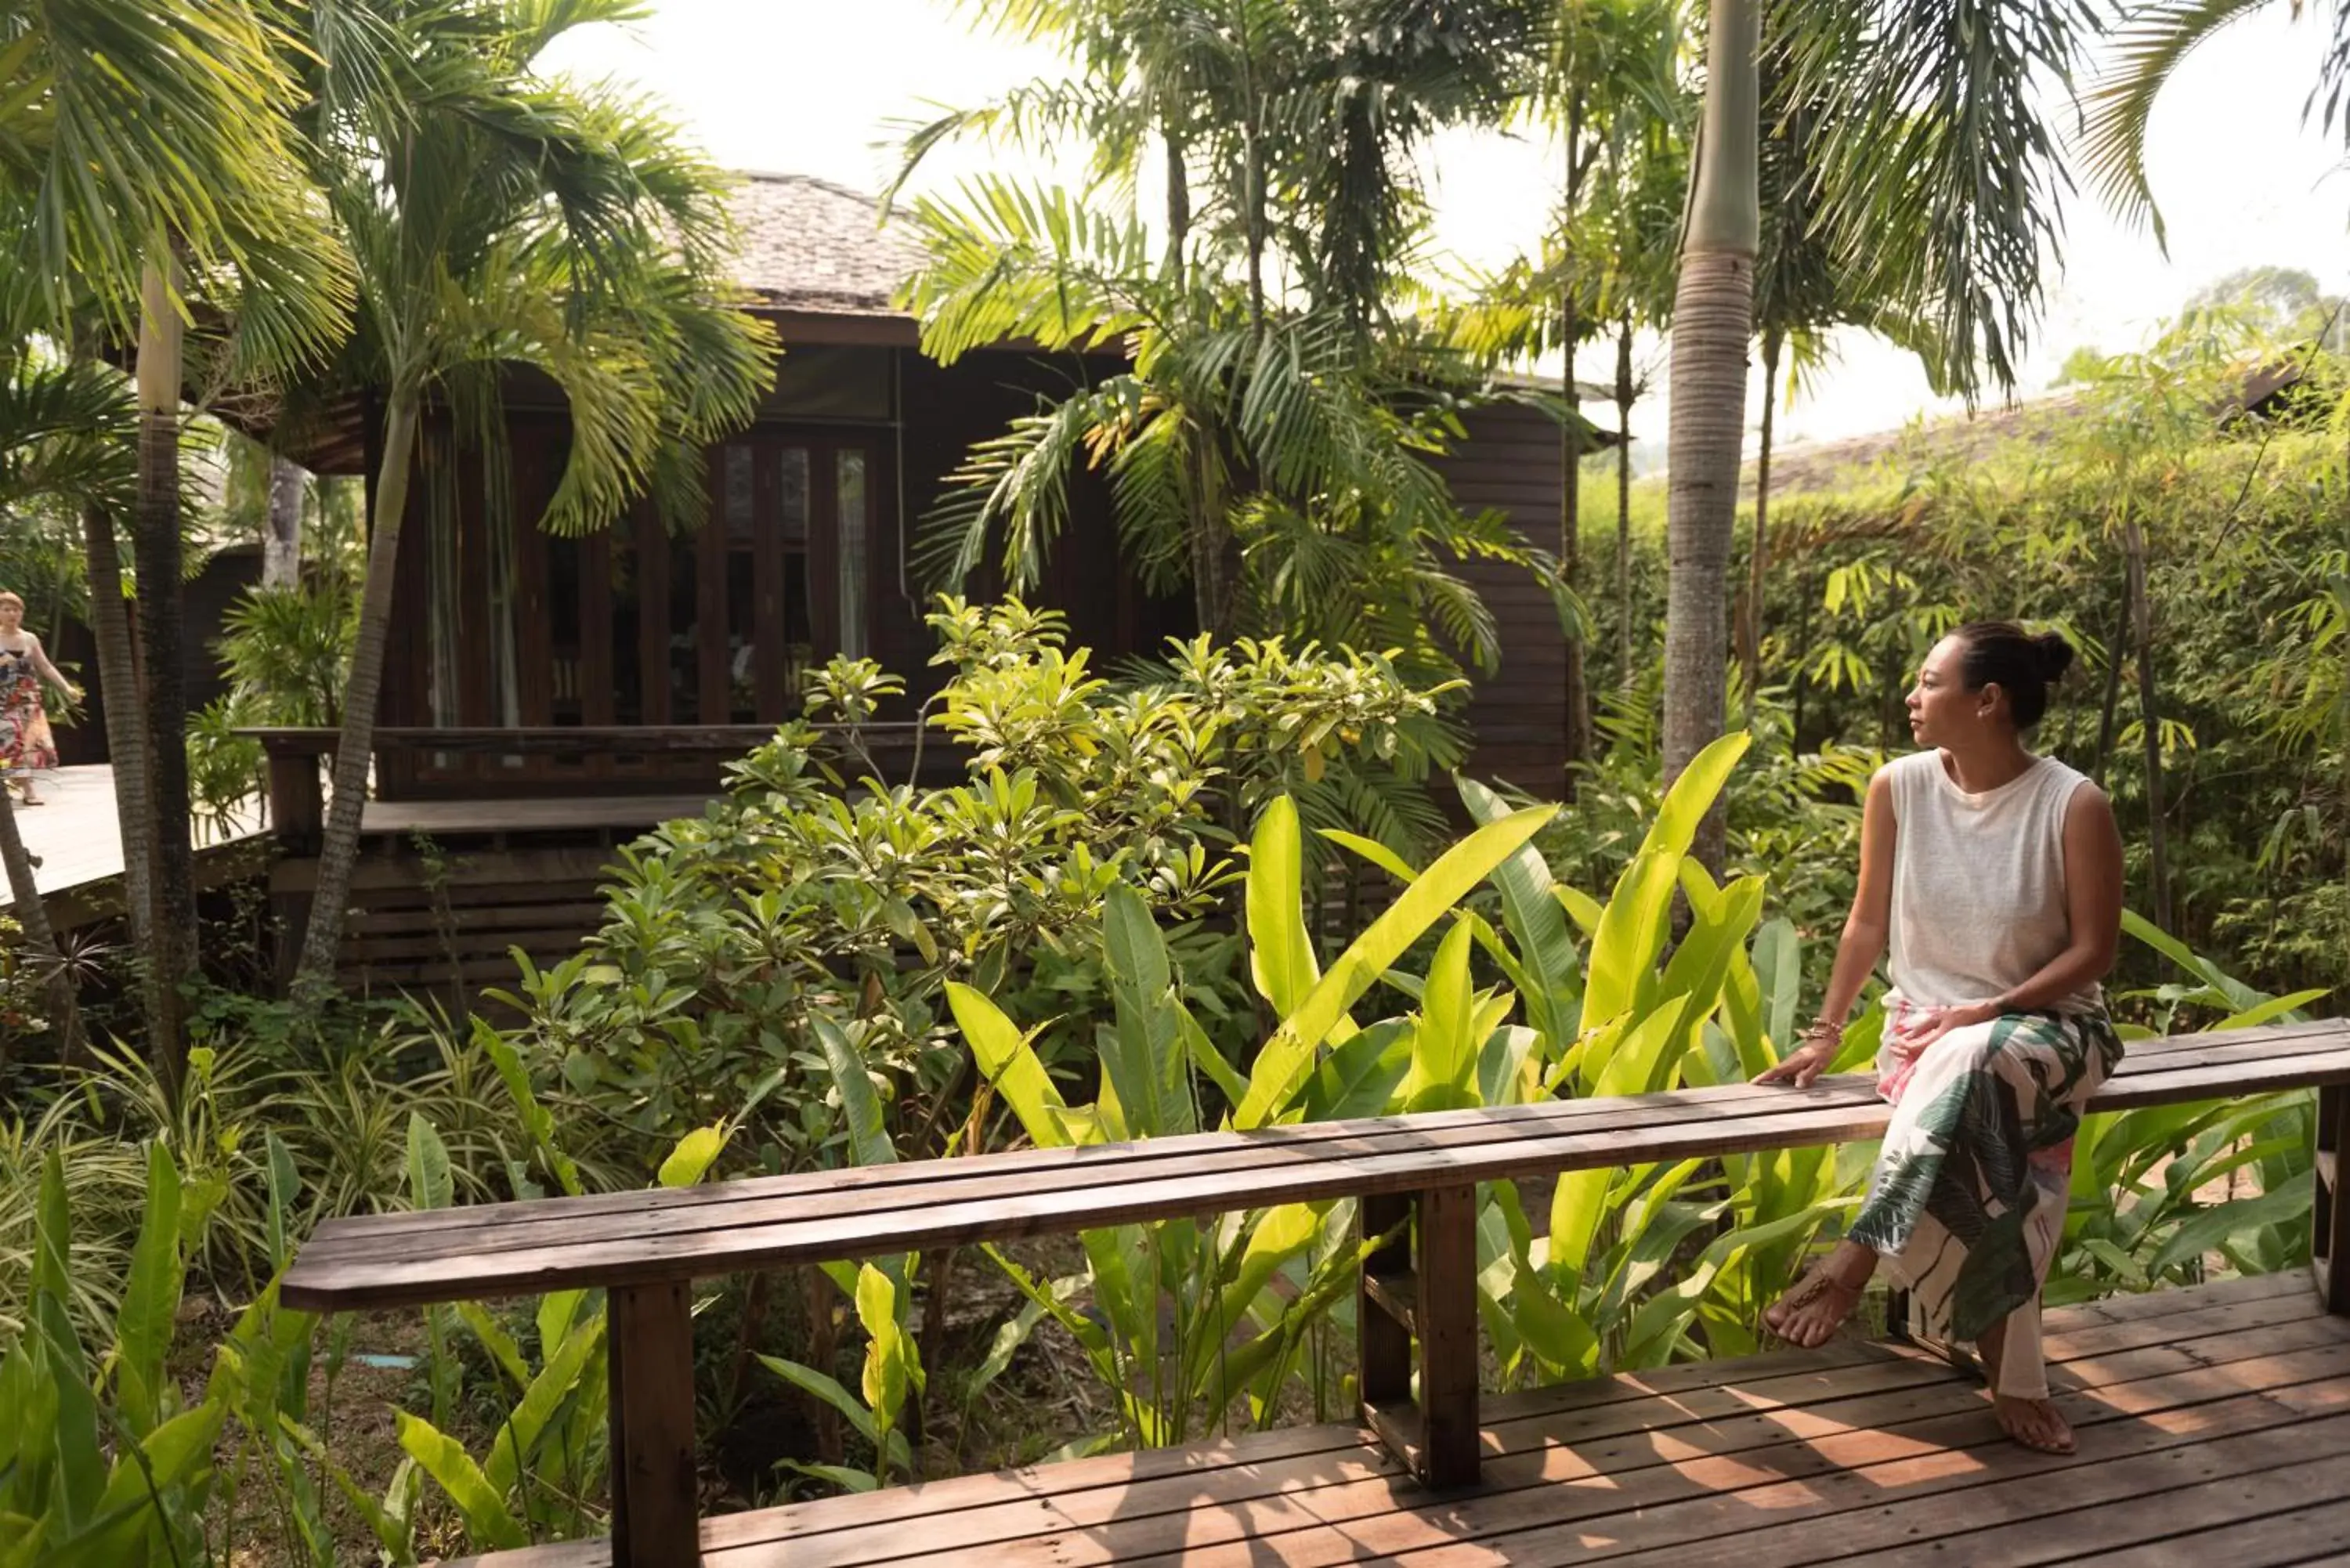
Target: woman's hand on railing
<point>1809,1060</point>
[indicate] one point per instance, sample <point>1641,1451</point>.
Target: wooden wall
<point>1510,463</point>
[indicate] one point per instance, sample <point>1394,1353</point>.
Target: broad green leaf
<point>284,1189</point>
<point>1281,955</point>
<point>1209,1060</point>
<point>860,1105</point>
<point>1009,1061</point>
<point>1779,972</point>
<point>890,1364</point>
<point>1503,1077</point>
<point>1360,1078</point>
<point>698,1150</point>
<point>495,1339</point>
<point>1581,908</point>
<point>1642,1056</point>
<point>430,1185</point>
<point>2275,1008</point>
<point>1142,1051</point>
<point>1372,850</point>
<point>543,1399</point>
<point>1444,1047</point>
<point>2210,1228</point>
<point>150,1301</point>
<point>808,1380</point>
<point>2240,996</point>
<point>1552,977</point>
<point>442,1457</point>
<point>81,1465</point>
<point>1289,1057</point>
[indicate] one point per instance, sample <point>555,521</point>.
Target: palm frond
<point>2152,44</point>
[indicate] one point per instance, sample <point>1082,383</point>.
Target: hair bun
<point>2056,655</point>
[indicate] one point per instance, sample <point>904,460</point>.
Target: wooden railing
<point>1415,1179</point>
<point>297,802</point>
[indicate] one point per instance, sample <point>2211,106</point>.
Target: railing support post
<point>1432,1301</point>
<point>656,1521</point>
<point>2329,1242</point>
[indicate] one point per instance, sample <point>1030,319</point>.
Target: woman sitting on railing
<point>1997,875</point>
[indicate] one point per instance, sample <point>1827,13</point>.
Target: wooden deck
<point>78,840</point>
<point>2214,1428</point>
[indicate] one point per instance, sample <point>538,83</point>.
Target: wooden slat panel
<point>712,634</point>
<point>769,579</point>
<point>596,650</point>
<point>651,546</point>
<point>532,484</point>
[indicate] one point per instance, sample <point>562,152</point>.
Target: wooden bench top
<point>662,1236</point>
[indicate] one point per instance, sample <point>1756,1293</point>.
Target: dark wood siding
<point>1510,463</point>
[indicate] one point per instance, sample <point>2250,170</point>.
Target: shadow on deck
<point>2214,1427</point>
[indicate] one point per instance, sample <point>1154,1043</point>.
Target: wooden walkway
<point>2214,1428</point>
<point>78,840</point>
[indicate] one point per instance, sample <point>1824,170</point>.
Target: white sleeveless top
<point>1979,882</point>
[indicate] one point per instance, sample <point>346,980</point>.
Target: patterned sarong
<point>1967,1203</point>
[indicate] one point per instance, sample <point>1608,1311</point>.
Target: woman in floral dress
<point>1996,876</point>
<point>25,744</point>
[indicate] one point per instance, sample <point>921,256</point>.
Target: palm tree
<point>1939,189</point>
<point>149,165</point>
<point>68,443</point>
<point>2154,42</point>
<point>497,218</point>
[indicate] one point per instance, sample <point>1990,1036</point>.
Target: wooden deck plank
<point>2154,1498</point>
<point>1552,1479</point>
<point>541,813</point>
<point>1787,1458</point>
<point>2319,1533</point>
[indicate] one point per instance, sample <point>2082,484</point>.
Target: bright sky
<point>815,87</point>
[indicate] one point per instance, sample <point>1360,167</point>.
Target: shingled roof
<point>809,245</point>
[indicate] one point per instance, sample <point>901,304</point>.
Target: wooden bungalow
<point>547,697</point>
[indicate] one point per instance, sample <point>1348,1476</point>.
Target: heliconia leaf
<point>150,1300</point>
<point>696,1152</point>
<point>430,1185</point>
<point>1008,1060</point>
<point>442,1457</point>
<point>1536,921</point>
<point>518,1438</point>
<point>1281,955</point>
<point>1287,1058</point>
<point>1142,1051</point>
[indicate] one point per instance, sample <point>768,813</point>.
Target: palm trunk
<point>2149,722</point>
<point>171,943</point>
<point>281,549</point>
<point>40,941</point>
<point>1179,212</point>
<point>339,843</point>
<point>1624,506</point>
<point>1577,677</point>
<point>1713,309</point>
<point>1750,656</point>
<point>1577,686</point>
<point>126,746</point>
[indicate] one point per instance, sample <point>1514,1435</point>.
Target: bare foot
<point>2035,1423</point>
<point>1808,1315</point>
